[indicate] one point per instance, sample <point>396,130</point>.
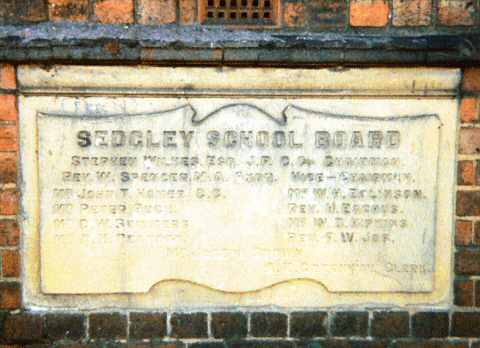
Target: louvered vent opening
<point>244,12</point>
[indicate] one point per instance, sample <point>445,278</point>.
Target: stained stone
<point>214,195</point>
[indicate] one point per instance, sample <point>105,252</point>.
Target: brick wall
<point>376,327</point>
<point>457,327</point>
<point>314,15</point>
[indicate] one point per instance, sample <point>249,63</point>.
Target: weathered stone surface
<point>310,192</point>
<point>141,188</point>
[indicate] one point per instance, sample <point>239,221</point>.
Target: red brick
<point>463,233</point>
<point>9,233</point>
<point>8,138</point>
<point>469,109</point>
<point>469,142</point>
<point>466,173</point>
<point>8,167</point>
<point>8,108</point>
<point>114,11</point>
<point>68,10</point>
<point>7,76</point>
<point>8,202</point>
<point>476,233</point>
<point>412,12</point>
<point>11,263</point>
<point>10,295</point>
<point>471,80</point>
<point>456,12</point>
<point>294,14</point>
<point>468,203</point>
<point>156,11</point>
<point>188,11</point>
<point>368,13</point>
<point>467,262</point>
<point>463,293</point>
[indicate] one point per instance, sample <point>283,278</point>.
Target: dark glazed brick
<point>430,324</point>
<point>467,262</point>
<point>23,328</point>
<point>8,11</point>
<point>477,293</point>
<point>268,324</point>
<point>308,324</point>
<point>463,292</point>
<point>206,345</point>
<point>61,326</point>
<point>341,343</point>
<point>229,325</point>
<point>108,326</point>
<point>261,344</point>
<point>466,324</point>
<point>32,10</point>
<point>70,10</point>
<point>430,344</point>
<point>191,325</point>
<point>326,14</point>
<point>148,325</point>
<point>350,324</point>
<point>390,324</point>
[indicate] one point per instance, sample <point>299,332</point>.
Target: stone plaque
<point>242,194</point>
<point>127,201</point>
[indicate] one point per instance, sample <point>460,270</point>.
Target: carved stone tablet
<point>131,200</point>
<point>239,195</point>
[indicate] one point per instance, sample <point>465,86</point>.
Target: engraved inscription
<point>175,195</point>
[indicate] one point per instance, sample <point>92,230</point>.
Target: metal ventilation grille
<point>247,12</point>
